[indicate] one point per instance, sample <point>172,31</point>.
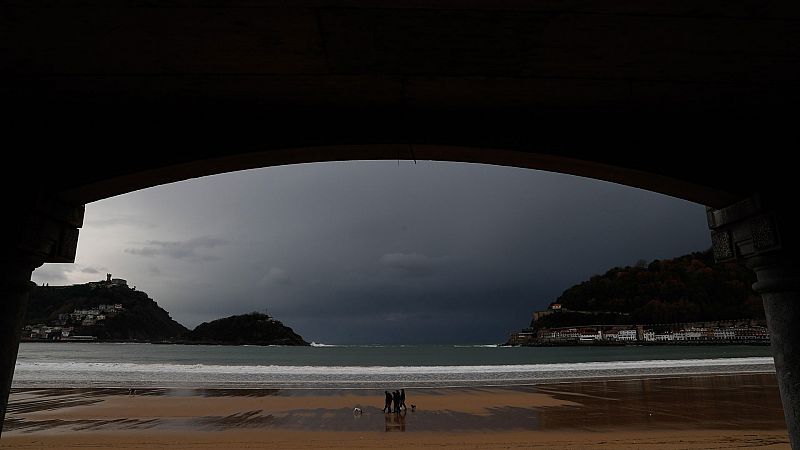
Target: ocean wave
<point>43,366</point>
<point>47,374</point>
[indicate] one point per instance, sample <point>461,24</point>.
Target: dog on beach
<point>357,411</point>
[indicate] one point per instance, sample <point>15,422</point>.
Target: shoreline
<point>529,383</point>
<point>116,341</point>
<point>542,344</point>
<point>643,344</point>
<point>312,371</point>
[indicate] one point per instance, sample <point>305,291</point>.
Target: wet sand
<point>741,410</point>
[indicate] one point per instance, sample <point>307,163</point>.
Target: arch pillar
<point>45,230</point>
<point>761,237</point>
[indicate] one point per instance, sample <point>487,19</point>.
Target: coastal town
<point>745,331</point>
<point>63,328</point>
<point>111,311</point>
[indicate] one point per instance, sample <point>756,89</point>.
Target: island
<point>253,329</point>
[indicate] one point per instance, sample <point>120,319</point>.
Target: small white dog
<point>357,411</point>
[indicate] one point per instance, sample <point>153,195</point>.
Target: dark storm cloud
<point>412,264</point>
<point>180,249</point>
<point>276,276</point>
<point>380,252</point>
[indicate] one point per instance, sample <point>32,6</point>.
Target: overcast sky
<point>376,252</point>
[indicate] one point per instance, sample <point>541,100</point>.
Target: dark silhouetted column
<point>34,230</point>
<point>763,238</point>
<point>779,286</point>
<point>14,287</point>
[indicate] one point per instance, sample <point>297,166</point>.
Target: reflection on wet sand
<point>719,402</point>
<point>743,401</point>
<point>395,421</point>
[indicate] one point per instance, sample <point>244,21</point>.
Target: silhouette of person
<point>388,406</point>
<point>403,399</point>
<point>396,398</point>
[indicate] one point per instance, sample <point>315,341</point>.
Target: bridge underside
<point>686,90</point>
<point>692,99</point>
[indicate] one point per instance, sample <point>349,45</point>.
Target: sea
<point>320,366</point>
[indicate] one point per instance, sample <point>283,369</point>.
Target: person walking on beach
<point>396,398</point>
<point>388,406</point>
<point>402,399</point>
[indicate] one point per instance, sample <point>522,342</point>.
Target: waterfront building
<point>626,335</point>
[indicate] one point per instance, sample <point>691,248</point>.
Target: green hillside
<point>253,328</point>
<point>690,288</point>
<point>130,315</point>
<point>140,318</point>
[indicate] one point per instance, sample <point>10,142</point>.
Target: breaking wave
<point>108,374</point>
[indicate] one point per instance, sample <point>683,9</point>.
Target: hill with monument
<point>110,310</point>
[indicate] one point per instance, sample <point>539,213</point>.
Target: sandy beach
<point>723,411</point>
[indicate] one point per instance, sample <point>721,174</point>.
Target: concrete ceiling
<point>694,99</point>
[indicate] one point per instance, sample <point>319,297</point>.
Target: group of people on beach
<point>398,398</point>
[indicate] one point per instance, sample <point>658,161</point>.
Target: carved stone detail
<point>47,232</point>
<point>742,231</point>
<point>764,232</point>
<point>723,246</point>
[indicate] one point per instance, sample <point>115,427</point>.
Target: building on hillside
<point>108,282</point>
